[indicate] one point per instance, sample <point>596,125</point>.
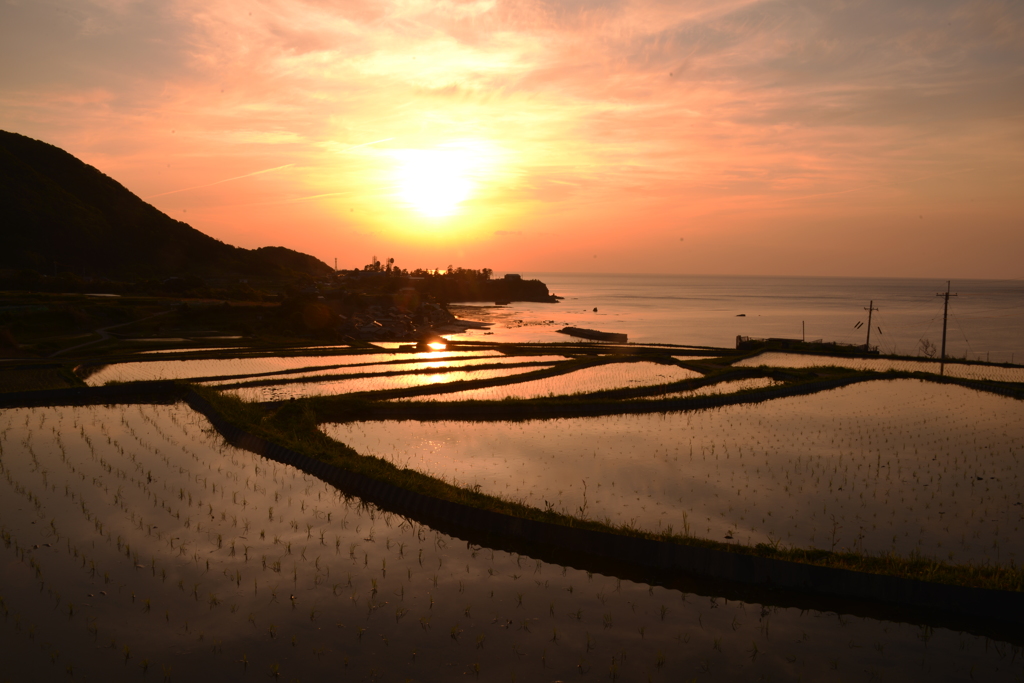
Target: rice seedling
<point>898,467</point>
<point>586,380</point>
<point>521,615</point>
<point>333,387</point>
<point>156,369</point>
<point>329,373</point>
<point>979,371</point>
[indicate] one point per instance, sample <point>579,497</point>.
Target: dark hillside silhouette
<point>58,214</point>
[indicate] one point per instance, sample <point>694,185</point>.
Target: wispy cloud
<point>620,118</point>
<point>218,182</point>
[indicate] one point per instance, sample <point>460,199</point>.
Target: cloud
<point>591,112</point>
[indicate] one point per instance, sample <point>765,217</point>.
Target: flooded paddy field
<point>135,371</point>
<point>283,392</point>
<point>137,545</point>
<point>441,364</point>
<point>586,380</point>
<point>980,371</point>
<point>727,387</point>
<point>902,466</point>
<point>193,350</point>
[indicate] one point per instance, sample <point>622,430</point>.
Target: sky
<point>874,138</point>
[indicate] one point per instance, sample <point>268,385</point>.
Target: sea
<point>985,321</point>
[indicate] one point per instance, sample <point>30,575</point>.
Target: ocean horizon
<point>986,317</point>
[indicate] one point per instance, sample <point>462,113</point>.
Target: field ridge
<point>987,593</point>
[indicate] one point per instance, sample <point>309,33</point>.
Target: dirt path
<point>104,333</point>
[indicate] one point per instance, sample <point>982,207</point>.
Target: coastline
<point>702,310</point>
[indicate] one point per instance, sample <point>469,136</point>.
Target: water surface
<point>137,545</point>
<point>283,392</point>
<point>586,380</point>
<point>986,320</point>
<point>135,371</point>
<point>776,359</point>
<point>902,466</point>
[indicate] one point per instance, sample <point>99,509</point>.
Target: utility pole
<point>870,309</point>
<point>945,316</point>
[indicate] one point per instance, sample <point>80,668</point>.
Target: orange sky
<point>809,138</point>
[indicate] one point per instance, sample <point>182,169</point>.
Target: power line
<point>961,328</point>
<point>888,338</point>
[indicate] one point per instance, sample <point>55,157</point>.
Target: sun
<point>433,182</point>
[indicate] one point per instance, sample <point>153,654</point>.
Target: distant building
<point>513,276</point>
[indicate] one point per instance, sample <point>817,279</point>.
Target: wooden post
<point>870,309</point>
<point>945,316</point>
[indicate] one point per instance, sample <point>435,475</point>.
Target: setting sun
<point>433,182</point>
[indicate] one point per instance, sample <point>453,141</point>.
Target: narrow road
<point>105,334</point>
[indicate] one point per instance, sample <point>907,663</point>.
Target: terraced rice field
<point>439,365</point>
<point>205,348</point>
<point>283,392</point>
<point>980,371</point>
<point>587,380</point>
<point>137,371</point>
<point>136,545</point>
<point>730,387</point>
<point>900,466</point>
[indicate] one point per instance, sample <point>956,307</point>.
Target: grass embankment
<point>637,400</point>
<point>295,425</point>
<point>36,378</point>
<point>557,368</point>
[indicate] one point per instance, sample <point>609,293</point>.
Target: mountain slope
<point>59,213</point>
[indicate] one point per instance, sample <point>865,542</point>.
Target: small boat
<point>597,335</point>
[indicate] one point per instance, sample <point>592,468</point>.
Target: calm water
<point>138,546</point>
<point>600,378</point>
<point>986,318</point>
<point>897,466</point>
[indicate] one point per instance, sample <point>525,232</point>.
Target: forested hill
<point>57,213</point>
